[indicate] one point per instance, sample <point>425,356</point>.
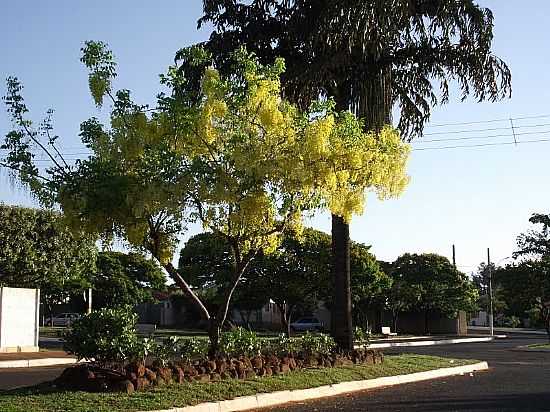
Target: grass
<point>46,399</point>
<point>539,346</point>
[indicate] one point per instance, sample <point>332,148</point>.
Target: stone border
<point>264,400</point>
<point>433,342</point>
<point>31,363</point>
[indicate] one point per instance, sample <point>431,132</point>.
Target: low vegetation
<point>47,399</point>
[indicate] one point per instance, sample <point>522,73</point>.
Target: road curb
<point>432,342</point>
<point>31,363</point>
<point>278,398</point>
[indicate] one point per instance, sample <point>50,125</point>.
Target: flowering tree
<point>229,153</point>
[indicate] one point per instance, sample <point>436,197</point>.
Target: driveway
<point>517,381</point>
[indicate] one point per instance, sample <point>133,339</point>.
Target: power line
<point>450,139</point>
<point>480,145</point>
<point>542,116</point>
<point>487,130</point>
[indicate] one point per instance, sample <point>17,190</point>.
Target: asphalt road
<point>516,381</point>
<point>11,378</point>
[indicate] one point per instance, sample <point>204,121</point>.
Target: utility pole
<point>490,291</point>
<point>89,301</point>
<point>454,257</point>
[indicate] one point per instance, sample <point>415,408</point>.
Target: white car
<point>307,324</point>
<point>63,319</point>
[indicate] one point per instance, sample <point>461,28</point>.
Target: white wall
<point>19,319</point>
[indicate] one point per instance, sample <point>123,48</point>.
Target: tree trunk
<point>341,322</point>
<point>214,329</point>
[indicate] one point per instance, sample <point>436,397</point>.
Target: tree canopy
<point>430,282</point>
<point>125,279</point>
<point>37,250</point>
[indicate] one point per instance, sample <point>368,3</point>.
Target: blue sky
<point>472,197</point>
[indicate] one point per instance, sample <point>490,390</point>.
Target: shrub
<point>311,344</point>
<point>240,342</point>
<point>361,336</point>
<point>105,336</point>
<point>192,348</point>
<point>281,346</point>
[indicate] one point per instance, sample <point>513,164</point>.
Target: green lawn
<point>48,400</point>
<point>539,346</point>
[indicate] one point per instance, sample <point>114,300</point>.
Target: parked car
<point>63,319</point>
<point>307,324</point>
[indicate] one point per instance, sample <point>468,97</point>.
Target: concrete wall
<point>19,316</point>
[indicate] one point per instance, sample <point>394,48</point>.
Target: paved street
<point>15,377</point>
<point>517,381</point>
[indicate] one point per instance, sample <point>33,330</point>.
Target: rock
<point>292,364</point>
<point>369,358</point>
<point>211,366</point>
<point>178,374</point>
<point>150,375</point>
<point>141,384</point>
<point>221,365</point>
<point>165,374</point>
<point>190,370</point>
<point>272,360</point>
<point>275,369</point>
<point>285,368</point>
<point>136,367</point>
<point>240,367</point>
<point>78,377</point>
<point>214,377</point>
<point>123,386</point>
<point>285,360</point>
<point>257,362</point>
<point>268,371</point>
<point>202,378</point>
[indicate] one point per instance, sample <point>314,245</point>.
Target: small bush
<point>106,336</point>
<point>240,342</point>
<point>192,348</point>
<point>361,336</point>
<point>312,344</point>
<point>282,346</point>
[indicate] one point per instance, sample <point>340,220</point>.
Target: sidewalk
<point>509,330</point>
<point>396,341</point>
<point>33,359</point>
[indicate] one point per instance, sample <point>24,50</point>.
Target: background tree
<point>526,287</point>
<point>37,250</point>
<point>371,56</point>
<point>125,279</point>
<point>526,284</point>
<point>430,283</point>
<point>481,282</point>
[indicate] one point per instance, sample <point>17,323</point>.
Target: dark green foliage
<point>240,342</point>
<point>370,55</point>
<point>313,344</point>
<point>535,243</point>
<point>107,336</point>
<point>37,250</point>
<point>430,282</point>
<point>125,279</point>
